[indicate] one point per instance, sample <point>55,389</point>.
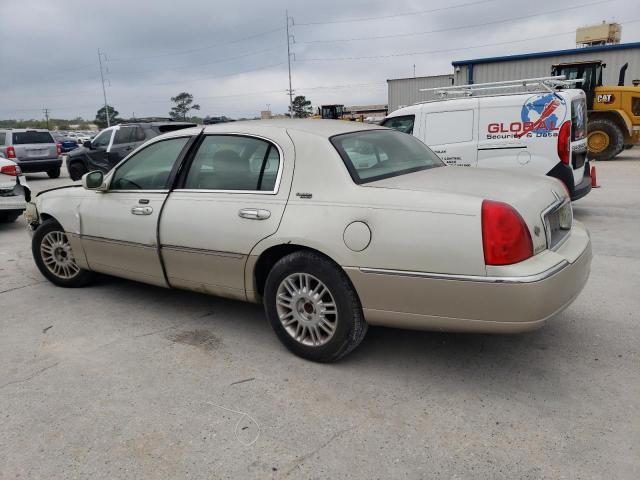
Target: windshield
<point>402,124</point>
<point>21,138</point>
<point>376,154</point>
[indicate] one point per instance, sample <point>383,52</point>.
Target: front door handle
<point>254,213</point>
<point>142,210</point>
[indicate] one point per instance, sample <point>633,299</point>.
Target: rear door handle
<point>254,213</point>
<point>142,210</point>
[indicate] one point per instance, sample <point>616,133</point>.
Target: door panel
<point>205,242</point>
<point>121,243</point>
<point>452,135</point>
<point>119,227</point>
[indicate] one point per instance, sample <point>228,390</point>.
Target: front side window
<point>103,139</point>
<point>23,138</point>
<point>150,168</point>
<point>232,162</point>
<point>635,107</point>
<point>3,138</point>
<point>402,124</point>
<point>377,154</point>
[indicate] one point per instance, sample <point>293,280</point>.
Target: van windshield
<point>377,154</point>
<point>403,124</point>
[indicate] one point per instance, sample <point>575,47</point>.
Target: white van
<point>540,132</point>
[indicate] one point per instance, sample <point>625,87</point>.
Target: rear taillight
<point>564,143</point>
<point>11,152</point>
<point>505,236</point>
<point>58,149</point>
<point>12,170</point>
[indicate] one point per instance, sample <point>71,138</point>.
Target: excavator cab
<point>589,72</point>
<point>331,112</point>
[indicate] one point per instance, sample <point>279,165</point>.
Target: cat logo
<point>605,98</point>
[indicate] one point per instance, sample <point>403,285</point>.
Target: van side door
<point>452,134</point>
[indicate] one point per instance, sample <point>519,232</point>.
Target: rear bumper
<point>584,186</point>
<point>506,304</point>
<point>31,166</point>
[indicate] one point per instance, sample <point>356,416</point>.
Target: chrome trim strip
<point>201,251</point>
<point>470,278</point>
<point>117,242</point>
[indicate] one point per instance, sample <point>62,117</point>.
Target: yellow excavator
<point>614,111</point>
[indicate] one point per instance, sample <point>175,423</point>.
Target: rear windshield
<point>402,124</point>
<point>21,138</point>
<point>377,154</point>
<point>578,119</point>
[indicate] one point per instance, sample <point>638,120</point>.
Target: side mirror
<point>94,181</point>
<point>87,144</point>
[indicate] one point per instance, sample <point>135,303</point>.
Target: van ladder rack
<point>548,84</point>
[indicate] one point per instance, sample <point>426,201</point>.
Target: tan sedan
<point>333,225</point>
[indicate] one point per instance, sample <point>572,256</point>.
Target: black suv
<point>114,143</point>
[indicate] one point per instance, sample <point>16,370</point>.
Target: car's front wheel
<point>313,307</point>
<point>77,170</point>
<point>54,258</point>
<point>54,172</point>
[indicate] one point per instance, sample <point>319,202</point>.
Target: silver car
<point>34,150</point>
<point>331,225</point>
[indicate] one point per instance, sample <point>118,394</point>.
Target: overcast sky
<point>231,55</point>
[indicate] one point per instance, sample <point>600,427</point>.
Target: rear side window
<point>449,127</point>
<point>377,154</point>
<point>22,138</point>
<point>232,162</point>
<point>402,124</point>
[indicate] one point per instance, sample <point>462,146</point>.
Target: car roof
<point>323,128</point>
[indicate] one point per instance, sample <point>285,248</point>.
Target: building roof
<point>551,53</point>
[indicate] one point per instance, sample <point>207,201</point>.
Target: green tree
<point>101,116</point>
<point>183,105</point>
<point>301,107</point>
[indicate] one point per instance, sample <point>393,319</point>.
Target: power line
<point>219,76</point>
<point>184,52</point>
<point>463,27</point>
<point>200,64</point>
<point>406,14</point>
<point>427,52</point>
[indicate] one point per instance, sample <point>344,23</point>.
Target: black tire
<point>9,217</point>
<point>629,146</point>
<point>77,170</point>
<point>614,135</point>
<point>79,279</point>
<point>350,326</point>
<point>54,172</point>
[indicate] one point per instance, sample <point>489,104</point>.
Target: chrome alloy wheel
<point>307,309</point>
<point>57,256</point>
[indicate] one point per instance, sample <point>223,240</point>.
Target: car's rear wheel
<point>313,308</point>
<point>77,170</point>
<point>54,172</point>
<point>54,258</point>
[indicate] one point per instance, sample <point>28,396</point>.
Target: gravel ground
<point>124,380</point>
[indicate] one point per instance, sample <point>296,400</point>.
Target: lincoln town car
<point>333,226</point>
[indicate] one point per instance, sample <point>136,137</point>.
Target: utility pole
<point>104,91</point>
<point>46,115</point>
<point>414,70</point>
<point>289,64</point>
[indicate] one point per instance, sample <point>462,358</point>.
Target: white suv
<point>542,132</point>
<point>12,191</point>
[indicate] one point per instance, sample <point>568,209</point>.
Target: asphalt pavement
<point>124,380</point>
